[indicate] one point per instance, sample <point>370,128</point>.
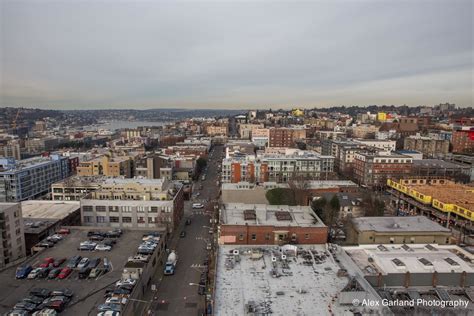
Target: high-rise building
<point>12,238</point>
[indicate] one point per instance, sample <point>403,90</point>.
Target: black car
<point>43,273</point>
<point>183,234</point>
<point>72,263</point>
<point>62,292</point>
<point>33,299</point>
<point>188,221</point>
<point>109,242</point>
<point>53,274</point>
<point>40,292</point>
<point>84,272</point>
<point>113,234</point>
<point>96,237</point>
<point>93,263</point>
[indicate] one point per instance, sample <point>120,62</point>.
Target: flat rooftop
<point>5,206</point>
<point>394,224</point>
<point>48,209</point>
<point>413,258</point>
<point>449,193</point>
<point>437,163</point>
<point>295,286</point>
<point>324,184</point>
<point>263,214</point>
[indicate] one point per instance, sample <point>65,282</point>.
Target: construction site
<point>450,204</point>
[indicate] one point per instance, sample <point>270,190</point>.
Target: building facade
<point>373,169</point>
<point>12,245</point>
<point>30,178</point>
<point>428,146</point>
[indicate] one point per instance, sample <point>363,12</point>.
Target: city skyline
<point>235,55</point>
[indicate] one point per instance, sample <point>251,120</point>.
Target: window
<point>88,219</point>
<point>101,219</point>
<point>154,209</point>
<point>306,236</point>
<point>114,219</point>
<point>254,236</point>
<point>241,236</point>
<point>113,209</point>
<point>126,219</point>
<point>100,208</point>
<point>267,236</point>
<point>152,220</point>
<point>141,220</point>
<point>87,208</point>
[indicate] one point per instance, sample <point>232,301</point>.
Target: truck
<point>171,263</point>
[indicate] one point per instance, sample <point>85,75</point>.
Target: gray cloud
<point>240,54</point>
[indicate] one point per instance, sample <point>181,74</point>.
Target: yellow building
<point>381,116</point>
<point>297,112</point>
<point>106,166</point>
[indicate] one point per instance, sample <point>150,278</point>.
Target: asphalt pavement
<point>178,294</point>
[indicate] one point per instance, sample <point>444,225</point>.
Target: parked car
<point>64,231</point>
<point>102,247</point>
<point>45,312</point>
<point>65,272</point>
<point>40,292</point>
<point>84,272</point>
<point>182,234</point>
<point>109,242</point>
<point>113,234</point>
<point>58,262</point>
<point>25,306</point>
<point>23,271</point>
<point>33,299</point>
<point>126,282</point>
<point>96,272</point>
<point>109,307</point>
<point>62,292</point>
<point>45,244</point>
<point>93,263</point>
<point>53,274</point>
<point>188,221</point>
<point>97,237</point>
<point>83,263</point>
<point>198,205</point>
<point>46,262</point>
<point>43,273</point>
<point>72,263</point>
<point>34,273</point>
<point>18,312</point>
<point>116,300</point>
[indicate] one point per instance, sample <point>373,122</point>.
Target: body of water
<point>115,125</point>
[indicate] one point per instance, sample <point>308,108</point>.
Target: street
<point>178,294</point>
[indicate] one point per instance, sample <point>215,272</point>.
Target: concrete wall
<point>269,235</point>
<point>421,279</point>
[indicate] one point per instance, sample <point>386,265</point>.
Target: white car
<point>83,263</point>
<point>198,205</point>
<point>34,274</point>
<point>102,247</point>
<point>116,300</point>
<point>126,282</point>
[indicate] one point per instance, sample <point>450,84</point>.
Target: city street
<point>175,295</point>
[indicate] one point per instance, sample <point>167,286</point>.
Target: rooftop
<point>437,163</point>
<point>324,184</point>
<point>413,258</point>
<point>275,215</point>
<point>393,224</point>
<point>48,209</point>
<point>267,283</point>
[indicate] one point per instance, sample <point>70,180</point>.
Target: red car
<point>64,273</point>
<point>46,262</point>
<point>64,231</point>
<point>58,262</point>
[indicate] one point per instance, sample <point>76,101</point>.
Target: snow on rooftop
<point>300,289</point>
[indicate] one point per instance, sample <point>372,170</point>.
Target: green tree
<point>318,206</point>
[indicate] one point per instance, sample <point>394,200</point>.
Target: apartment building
<point>134,203</point>
<point>10,148</point>
<point>364,131</point>
<point>428,146</point>
<point>107,166</point>
<point>245,130</point>
<point>217,130</point>
<point>382,144</point>
<point>260,137</point>
<point>463,140</point>
<point>75,187</point>
<point>30,178</point>
<point>278,167</point>
<point>285,137</point>
<point>372,169</point>
<point>12,238</point>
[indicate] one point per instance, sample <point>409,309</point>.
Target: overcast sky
<point>235,54</point>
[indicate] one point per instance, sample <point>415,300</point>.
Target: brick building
<point>463,141</point>
<point>260,224</point>
<point>285,137</point>
<point>373,169</point>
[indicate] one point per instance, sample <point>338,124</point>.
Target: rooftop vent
<point>283,216</point>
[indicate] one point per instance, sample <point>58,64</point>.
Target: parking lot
<point>89,292</point>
